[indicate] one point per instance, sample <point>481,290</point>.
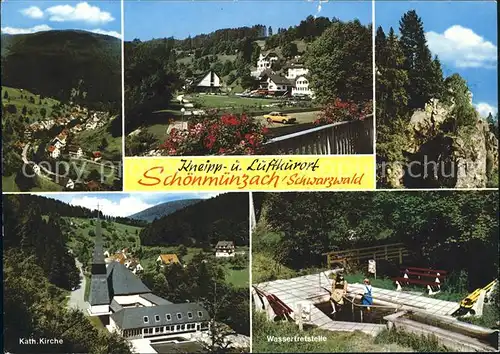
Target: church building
<point>125,305</point>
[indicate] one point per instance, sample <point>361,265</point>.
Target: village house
<point>295,71</point>
<point>265,61</point>
<point>167,259</point>
<point>224,249</point>
<point>278,85</point>
<point>301,87</point>
<point>128,307</point>
<point>96,156</point>
<point>67,182</point>
<point>54,151</point>
<point>36,169</point>
<point>77,128</point>
<point>75,151</point>
<point>208,82</point>
<point>133,265</point>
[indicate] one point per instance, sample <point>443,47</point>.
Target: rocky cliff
<point>440,156</point>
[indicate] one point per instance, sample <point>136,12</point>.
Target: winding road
<point>77,297</point>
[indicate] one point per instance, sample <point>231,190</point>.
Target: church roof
<point>123,282</point>
<point>155,299</point>
<point>130,318</point>
<point>99,292</point>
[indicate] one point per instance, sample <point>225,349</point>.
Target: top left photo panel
<point>61,96</point>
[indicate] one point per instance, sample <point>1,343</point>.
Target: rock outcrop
<point>439,159</point>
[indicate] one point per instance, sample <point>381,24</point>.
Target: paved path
<point>77,299</point>
<point>313,288</point>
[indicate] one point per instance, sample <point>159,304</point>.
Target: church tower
<point>99,293</point>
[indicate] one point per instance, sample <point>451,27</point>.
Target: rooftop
<point>123,282</point>
<point>162,315</point>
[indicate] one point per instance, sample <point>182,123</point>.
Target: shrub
<point>342,111</point>
<point>211,134</point>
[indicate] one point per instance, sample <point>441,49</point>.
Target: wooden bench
<point>425,270</point>
<point>426,275</point>
<point>431,285</point>
<point>402,280</point>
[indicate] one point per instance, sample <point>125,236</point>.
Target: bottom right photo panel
<point>375,271</point>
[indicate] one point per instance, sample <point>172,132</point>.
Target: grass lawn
<point>108,174</point>
<point>46,185</point>
<point>15,99</point>
<point>237,277</point>
<point>9,183</point>
<point>220,101</point>
<point>87,288</point>
<point>96,322</point>
<point>158,130</point>
<point>354,342</point>
<point>90,140</point>
<point>114,234</point>
<point>151,253</point>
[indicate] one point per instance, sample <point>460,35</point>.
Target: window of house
<point>157,330</point>
<point>157,318</point>
<point>200,314</point>
<point>190,315</point>
<point>179,316</point>
<point>168,317</point>
<point>182,327</point>
<point>146,319</point>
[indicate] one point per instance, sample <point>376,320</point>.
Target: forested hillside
<point>444,230</point>
<point>39,270</point>
<point>224,217</point>
<point>68,65</point>
<point>155,70</point>
<point>163,209</point>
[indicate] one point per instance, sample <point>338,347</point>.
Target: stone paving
<point>306,288</point>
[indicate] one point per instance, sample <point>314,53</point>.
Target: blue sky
<point>463,35</point>
<point>33,16</point>
<point>192,18</point>
<point>124,204</point>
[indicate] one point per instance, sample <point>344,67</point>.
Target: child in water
<point>367,296</point>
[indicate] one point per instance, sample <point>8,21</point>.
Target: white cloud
<point>124,207</point>
<point>320,7</point>
<point>484,109</point>
<point>81,12</point>
<point>463,48</point>
<point>32,12</point>
<point>107,33</point>
<point>16,30</point>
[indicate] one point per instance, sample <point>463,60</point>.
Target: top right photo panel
<point>436,94</point>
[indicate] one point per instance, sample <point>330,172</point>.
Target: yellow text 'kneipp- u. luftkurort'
<point>250,173</point>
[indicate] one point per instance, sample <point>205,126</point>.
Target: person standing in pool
<point>339,290</point>
<point>367,299</point>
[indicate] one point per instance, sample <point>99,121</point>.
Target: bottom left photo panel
<point>126,272</point>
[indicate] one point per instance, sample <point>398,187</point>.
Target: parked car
<point>280,118</point>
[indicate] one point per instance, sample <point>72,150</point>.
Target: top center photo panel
<point>248,78</point>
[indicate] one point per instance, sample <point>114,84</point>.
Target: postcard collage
<point>253,176</point>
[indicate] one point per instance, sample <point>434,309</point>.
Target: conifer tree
<point>422,73</point>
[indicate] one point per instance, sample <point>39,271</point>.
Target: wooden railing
<point>344,138</point>
<point>388,252</point>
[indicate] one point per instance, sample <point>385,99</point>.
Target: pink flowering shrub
<point>341,111</point>
<point>215,135</point>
